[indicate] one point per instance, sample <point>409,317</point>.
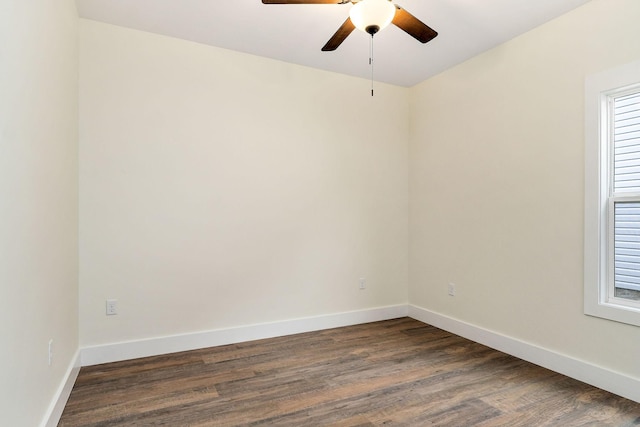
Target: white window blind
<point>626,138</point>
<point>625,122</point>
<point>627,245</point>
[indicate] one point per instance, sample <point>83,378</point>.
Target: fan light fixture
<point>372,16</point>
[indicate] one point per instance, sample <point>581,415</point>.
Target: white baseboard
<point>171,344</point>
<point>597,376</point>
<point>54,412</point>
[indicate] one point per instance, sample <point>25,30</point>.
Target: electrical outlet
<point>451,288</point>
<point>50,351</point>
<point>112,307</point>
<point>362,283</point>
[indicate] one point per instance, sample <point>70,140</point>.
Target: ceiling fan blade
<point>340,35</point>
<point>302,1</point>
<point>413,26</point>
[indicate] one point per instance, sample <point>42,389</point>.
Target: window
<point>612,195</point>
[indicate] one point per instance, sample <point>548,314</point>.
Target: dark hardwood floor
<point>397,372</point>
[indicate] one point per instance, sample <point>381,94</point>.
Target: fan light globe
<point>372,16</point>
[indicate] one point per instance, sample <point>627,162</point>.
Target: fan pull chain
<point>371,61</point>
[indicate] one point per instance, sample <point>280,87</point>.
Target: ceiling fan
<point>370,16</point>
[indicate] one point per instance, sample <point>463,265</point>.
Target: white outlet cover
<point>112,307</point>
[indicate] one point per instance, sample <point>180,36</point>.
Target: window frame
<point>599,299</point>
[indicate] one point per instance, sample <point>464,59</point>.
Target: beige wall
<point>38,204</point>
<point>219,189</point>
<point>496,186</point>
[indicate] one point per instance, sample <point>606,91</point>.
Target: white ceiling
<point>296,33</point>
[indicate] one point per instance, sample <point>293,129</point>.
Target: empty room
<point>269,213</point>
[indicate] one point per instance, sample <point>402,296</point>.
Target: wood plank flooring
<point>398,372</point>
